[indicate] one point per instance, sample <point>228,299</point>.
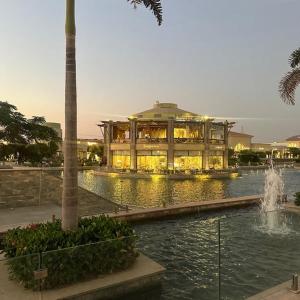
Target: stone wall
<point>21,187</point>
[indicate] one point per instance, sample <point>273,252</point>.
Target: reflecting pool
<point>157,191</point>
<point>252,259</point>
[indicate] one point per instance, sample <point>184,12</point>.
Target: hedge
<point>101,245</point>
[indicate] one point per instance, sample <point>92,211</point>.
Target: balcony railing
<point>188,141</point>
<point>152,140</point>
<point>217,141</point>
<point>121,141</point>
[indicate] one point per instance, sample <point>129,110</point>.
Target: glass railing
<point>231,257</point>
<point>70,271</point>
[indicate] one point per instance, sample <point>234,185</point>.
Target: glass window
<point>188,131</point>
<point>195,153</point>
<point>158,152</point>
<point>121,161</point>
<point>215,162</point>
<point>216,132</point>
<point>188,163</point>
<point>181,153</point>
<point>152,163</point>
<point>143,152</point>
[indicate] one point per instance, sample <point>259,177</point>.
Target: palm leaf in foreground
<point>288,85</point>
<point>294,59</point>
<point>153,5</point>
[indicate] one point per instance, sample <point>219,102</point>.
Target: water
<point>253,257</point>
<point>252,260</point>
<point>154,192</point>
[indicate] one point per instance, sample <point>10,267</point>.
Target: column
<point>133,145</point>
<point>225,159</point>
<point>108,139</point>
<point>206,145</point>
<point>170,133</point>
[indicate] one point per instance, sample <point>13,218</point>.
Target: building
<point>84,148</point>
<point>166,138</point>
<point>261,147</point>
<point>239,141</point>
<point>56,127</point>
<point>293,141</point>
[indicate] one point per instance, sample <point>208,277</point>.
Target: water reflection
<point>157,191</point>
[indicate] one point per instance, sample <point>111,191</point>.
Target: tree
<point>25,139</point>
<point>291,80</point>
<point>247,156</point>
<point>294,151</point>
<point>12,124</point>
<point>15,128</point>
<point>70,180</point>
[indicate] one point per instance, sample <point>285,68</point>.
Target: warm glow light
<point>234,175</point>
<point>203,176</point>
<point>113,174</point>
<point>156,176</point>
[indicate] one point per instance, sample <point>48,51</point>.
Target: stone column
<point>170,135</point>
<point>108,139</point>
<point>225,158</point>
<point>133,164</point>
<point>206,145</point>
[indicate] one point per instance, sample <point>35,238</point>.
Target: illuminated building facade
<point>166,139</point>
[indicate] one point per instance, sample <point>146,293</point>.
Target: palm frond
<point>288,85</point>
<point>294,59</point>
<point>153,5</point>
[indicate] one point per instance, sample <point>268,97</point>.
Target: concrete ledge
<point>145,273</point>
<point>147,214</point>
<point>279,292</point>
<point>209,175</point>
<point>292,207</point>
<point>184,209</point>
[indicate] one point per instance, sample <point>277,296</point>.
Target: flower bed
<point>100,245</point>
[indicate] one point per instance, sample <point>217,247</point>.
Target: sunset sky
<point>221,58</point>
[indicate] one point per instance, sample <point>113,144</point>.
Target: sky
<point>222,58</point>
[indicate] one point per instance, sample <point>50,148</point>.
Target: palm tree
<point>291,80</point>
<point>70,182</point>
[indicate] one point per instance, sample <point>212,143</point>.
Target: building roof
<point>294,138</point>
<point>240,134</point>
<point>166,111</point>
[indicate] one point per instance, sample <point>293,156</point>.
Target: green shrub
<point>100,245</point>
<point>297,198</point>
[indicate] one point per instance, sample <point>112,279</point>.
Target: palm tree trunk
<point>70,180</point>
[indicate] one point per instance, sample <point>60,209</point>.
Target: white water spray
<point>273,191</point>
<point>272,221</point>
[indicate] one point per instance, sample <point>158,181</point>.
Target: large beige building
<point>166,138</point>
<point>293,141</point>
<point>239,141</point>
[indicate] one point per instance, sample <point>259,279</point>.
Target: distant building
<point>293,141</point>
<point>166,137</point>
<point>83,147</point>
<point>56,127</point>
<point>239,141</point>
<point>261,147</point>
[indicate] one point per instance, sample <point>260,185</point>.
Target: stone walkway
<point>279,292</point>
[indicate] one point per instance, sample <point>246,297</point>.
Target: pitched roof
<point>294,138</point>
<point>165,111</point>
<point>240,134</point>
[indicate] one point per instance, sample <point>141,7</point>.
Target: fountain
<point>272,220</point>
